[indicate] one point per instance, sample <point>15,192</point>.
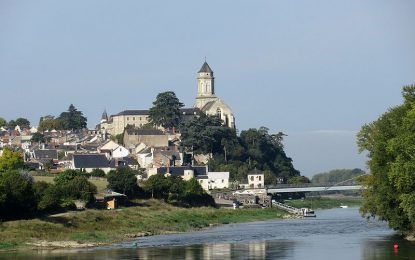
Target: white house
<point>256,179</point>
<point>113,150</point>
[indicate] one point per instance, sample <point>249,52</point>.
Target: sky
<point>315,70</point>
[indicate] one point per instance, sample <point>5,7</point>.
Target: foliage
<point>3,122</point>
<point>255,148</point>
<point>49,124</point>
<point>16,195</point>
<point>38,137</point>
<point>98,173</point>
<point>10,160</point>
<point>73,119</point>
<point>337,175</point>
<point>390,143</point>
<point>157,185</point>
<point>298,180</point>
<point>22,122</point>
<point>123,180</point>
<point>175,190</point>
<point>166,111</point>
<point>206,134</point>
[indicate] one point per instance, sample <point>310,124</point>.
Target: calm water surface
<point>334,234</point>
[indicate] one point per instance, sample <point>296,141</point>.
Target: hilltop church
<point>206,101</point>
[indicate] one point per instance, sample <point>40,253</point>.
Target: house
<point>48,154</point>
<point>89,162</point>
<point>256,179</point>
<point>208,180</point>
<point>150,137</point>
<point>113,150</point>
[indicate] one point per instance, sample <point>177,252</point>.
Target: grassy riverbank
<point>95,227</point>
<point>325,202</point>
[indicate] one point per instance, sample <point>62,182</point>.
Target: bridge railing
<point>308,185</point>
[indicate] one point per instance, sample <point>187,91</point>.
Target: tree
<point>337,175</point>
<point>38,138</point>
<point>10,160</point>
<point>73,119</point>
<point>11,124</point>
<point>157,185</point>
<point>50,124</point>
<point>390,142</point>
<point>3,122</point>
<point>22,122</point>
<point>205,134</point>
<point>166,111</point>
<point>123,180</point>
<point>17,197</point>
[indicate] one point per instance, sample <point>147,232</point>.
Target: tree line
<point>390,143</point>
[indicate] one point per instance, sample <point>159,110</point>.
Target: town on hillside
<point>169,140</point>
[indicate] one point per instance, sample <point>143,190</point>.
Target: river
<point>333,234</point>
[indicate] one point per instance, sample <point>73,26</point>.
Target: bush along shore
<point>100,227</point>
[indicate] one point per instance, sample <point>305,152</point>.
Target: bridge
<point>294,188</point>
<point>350,184</point>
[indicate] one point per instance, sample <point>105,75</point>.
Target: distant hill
<point>336,175</point>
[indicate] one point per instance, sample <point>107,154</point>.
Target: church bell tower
<point>205,85</point>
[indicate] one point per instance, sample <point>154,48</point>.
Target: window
<point>223,181</point>
<point>133,118</point>
<point>259,178</point>
<point>252,178</point>
<point>128,118</point>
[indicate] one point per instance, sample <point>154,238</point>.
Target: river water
<point>334,234</point>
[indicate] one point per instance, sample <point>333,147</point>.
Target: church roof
<point>208,105</point>
<point>205,68</point>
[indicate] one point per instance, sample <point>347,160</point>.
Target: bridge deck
<point>309,189</point>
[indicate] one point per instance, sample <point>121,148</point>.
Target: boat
<point>344,206</point>
<point>308,213</point>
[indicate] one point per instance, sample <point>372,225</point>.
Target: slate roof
<point>46,154</point>
<point>189,111</point>
<point>255,172</point>
<point>144,132</point>
<point>184,111</point>
<point>205,68</point>
<point>208,105</point>
<point>133,113</point>
<point>179,170</point>
<point>90,161</point>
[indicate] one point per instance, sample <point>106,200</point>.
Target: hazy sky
<point>315,70</point>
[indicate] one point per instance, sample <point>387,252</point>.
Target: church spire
<point>205,68</point>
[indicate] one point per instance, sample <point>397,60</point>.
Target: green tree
<point>38,138</point>
<point>17,197</point>
<point>390,142</point>
<point>205,134</point>
<point>3,122</point>
<point>10,160</point>
<point>22,122</point>
<point>166,111</point>
<point>123,180</point>
<point>337,175</point>
<point>50,124</point>
<point>73,119</point>
<point>157,185</point>
<point>98,173</point>
<point>11,124</point>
